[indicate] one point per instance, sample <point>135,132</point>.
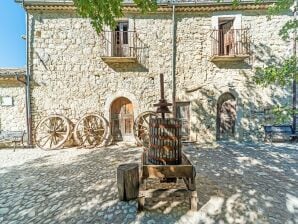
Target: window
<point>6,101</point>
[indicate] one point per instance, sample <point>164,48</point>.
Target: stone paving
<point>236,183</point>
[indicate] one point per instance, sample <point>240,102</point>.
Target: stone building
<point>207,51</point>
<point>12,99</point>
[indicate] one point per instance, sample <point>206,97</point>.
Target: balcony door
<point>226,37</point>
<point>120,40</point>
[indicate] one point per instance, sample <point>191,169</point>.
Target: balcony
<point>229,45</point>
<point>121,47</point>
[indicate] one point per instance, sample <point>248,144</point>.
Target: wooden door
<point>121,46</point>
<point>226,38</point>
<point>183,114</point>
<point>122,119</point>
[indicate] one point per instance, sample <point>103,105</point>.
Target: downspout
<point>294,78</point>
<point>28,103</point>
<point>174,60</point>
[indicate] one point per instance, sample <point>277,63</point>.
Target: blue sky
<point>12,27</point>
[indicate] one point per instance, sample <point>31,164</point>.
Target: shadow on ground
<point>249,183</point>
<point>236,183</point>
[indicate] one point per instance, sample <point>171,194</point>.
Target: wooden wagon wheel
<point>91,130</point>
<point>141,128</point>
<point>52,132</point>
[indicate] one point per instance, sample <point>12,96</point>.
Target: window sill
<point>227,58</point>
<point>119,59</point>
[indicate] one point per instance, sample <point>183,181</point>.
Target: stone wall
<point>202,81</point>
<point>69,76</point>
<point>13,118</point>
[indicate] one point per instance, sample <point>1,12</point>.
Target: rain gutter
<point>27,82</point>
<point>295,75</point>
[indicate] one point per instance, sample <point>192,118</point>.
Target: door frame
<point>121,49</point>
<point>129,137</point>
<point>221,99</point>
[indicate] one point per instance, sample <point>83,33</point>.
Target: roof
<point>130,2</point>
<point>12,72</point>
<point>45,2</point>
<point>165,6</point>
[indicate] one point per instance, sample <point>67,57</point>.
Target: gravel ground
<point>236,183</point>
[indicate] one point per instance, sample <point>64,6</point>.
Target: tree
<point>104,12</point>
<point>286,72</point>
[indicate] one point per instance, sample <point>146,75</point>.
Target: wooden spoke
<point>84,140</point>
<point>49,137</point>
<point>59,135</point>
<point>54,123</point>
<point>145,120</point>
<point>60,132</point>
<point>41,138</point>
<point>91,131</point>
<point>60,125</point>
<point>55,139</point>
<point>47,125</point>
<point>141,128</point>
<point>55,129</point>
<point>51,141</point>
<point>100,129</point>
<point>95,122</point>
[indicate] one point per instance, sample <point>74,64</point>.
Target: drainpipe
<point>28,103</point>
<point>294,78</point>
<point>174,60</point>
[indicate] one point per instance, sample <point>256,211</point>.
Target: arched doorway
<point>122,119</point>
<point>226,117</point>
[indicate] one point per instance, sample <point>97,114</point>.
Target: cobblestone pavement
<point>236,183</point>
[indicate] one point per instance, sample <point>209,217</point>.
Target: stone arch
<point>119,94</point>
<point>226,116</point>
<point>112,98</point>
<point>122,119</point>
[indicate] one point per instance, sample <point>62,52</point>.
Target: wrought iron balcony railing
<point>232,44</point>
<point>121,46</point>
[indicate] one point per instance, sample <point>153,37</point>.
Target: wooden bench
<point>279,133</point>
<point>12,137</point>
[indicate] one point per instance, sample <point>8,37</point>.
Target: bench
<point>12,137</point>
<point>279,133</point>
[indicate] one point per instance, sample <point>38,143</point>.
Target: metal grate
<point>230,42</point>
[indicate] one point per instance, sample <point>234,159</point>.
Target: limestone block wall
<point>69,76</point>
<point>13,118</point>
<point>201,81</point>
